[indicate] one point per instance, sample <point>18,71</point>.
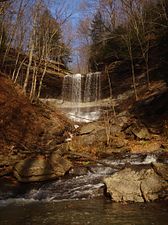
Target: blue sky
<point>70,7</point>
<point>77,10</point>
<point>75,7</point>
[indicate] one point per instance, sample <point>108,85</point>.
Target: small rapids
<point>84,182</point>
<point>80,187</point>
<point>134,159</point>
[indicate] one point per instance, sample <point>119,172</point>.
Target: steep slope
<point>26,128</point>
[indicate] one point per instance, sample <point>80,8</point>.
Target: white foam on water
<point>83,117</point>
<point>150,159</point>
<point>10,201</point>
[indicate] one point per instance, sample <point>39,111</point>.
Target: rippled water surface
<point>81,212</point>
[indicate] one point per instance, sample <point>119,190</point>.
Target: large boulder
<point>124,186</point>
<point>90,128</point>
<point>41,169</point>
<point>91,132</point>
<point>33,169</point>
<point>136,186</point>
<point>91,136</point>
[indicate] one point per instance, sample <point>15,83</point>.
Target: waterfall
<point>80,94</point>
<point>71,90</point>
<point>92,87</point>
<point>76,89</point>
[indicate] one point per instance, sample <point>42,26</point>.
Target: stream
<point>83,212</point>
<point>78,198</point>
<point>82,182</point>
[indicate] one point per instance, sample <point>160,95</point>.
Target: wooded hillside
<point>32,51</point>
<point>127,39</point>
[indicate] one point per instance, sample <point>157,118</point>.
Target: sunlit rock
<point>136,186</point>
<point>124,186</point>
<point>33,169</point>
<point>41,169</point>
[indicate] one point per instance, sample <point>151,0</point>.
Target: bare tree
<point>29,64</point>
<point>14,28</point>
<point>134,9</point>
<point>127,39</point>
<point>111,91</point>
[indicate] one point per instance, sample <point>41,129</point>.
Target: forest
<point>83,112</point>
<point>128,32</point>
<point>31,43</point>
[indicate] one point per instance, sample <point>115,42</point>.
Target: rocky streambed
<point>120,160</point>
<point>121,178</point>
<point>43,156</point>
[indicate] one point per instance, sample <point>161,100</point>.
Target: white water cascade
<point>80,96</point>
<point>92,87</point>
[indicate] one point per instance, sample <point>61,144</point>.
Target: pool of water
<point>82,212</point>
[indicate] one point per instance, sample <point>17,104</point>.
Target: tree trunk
<point>28,67</point>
